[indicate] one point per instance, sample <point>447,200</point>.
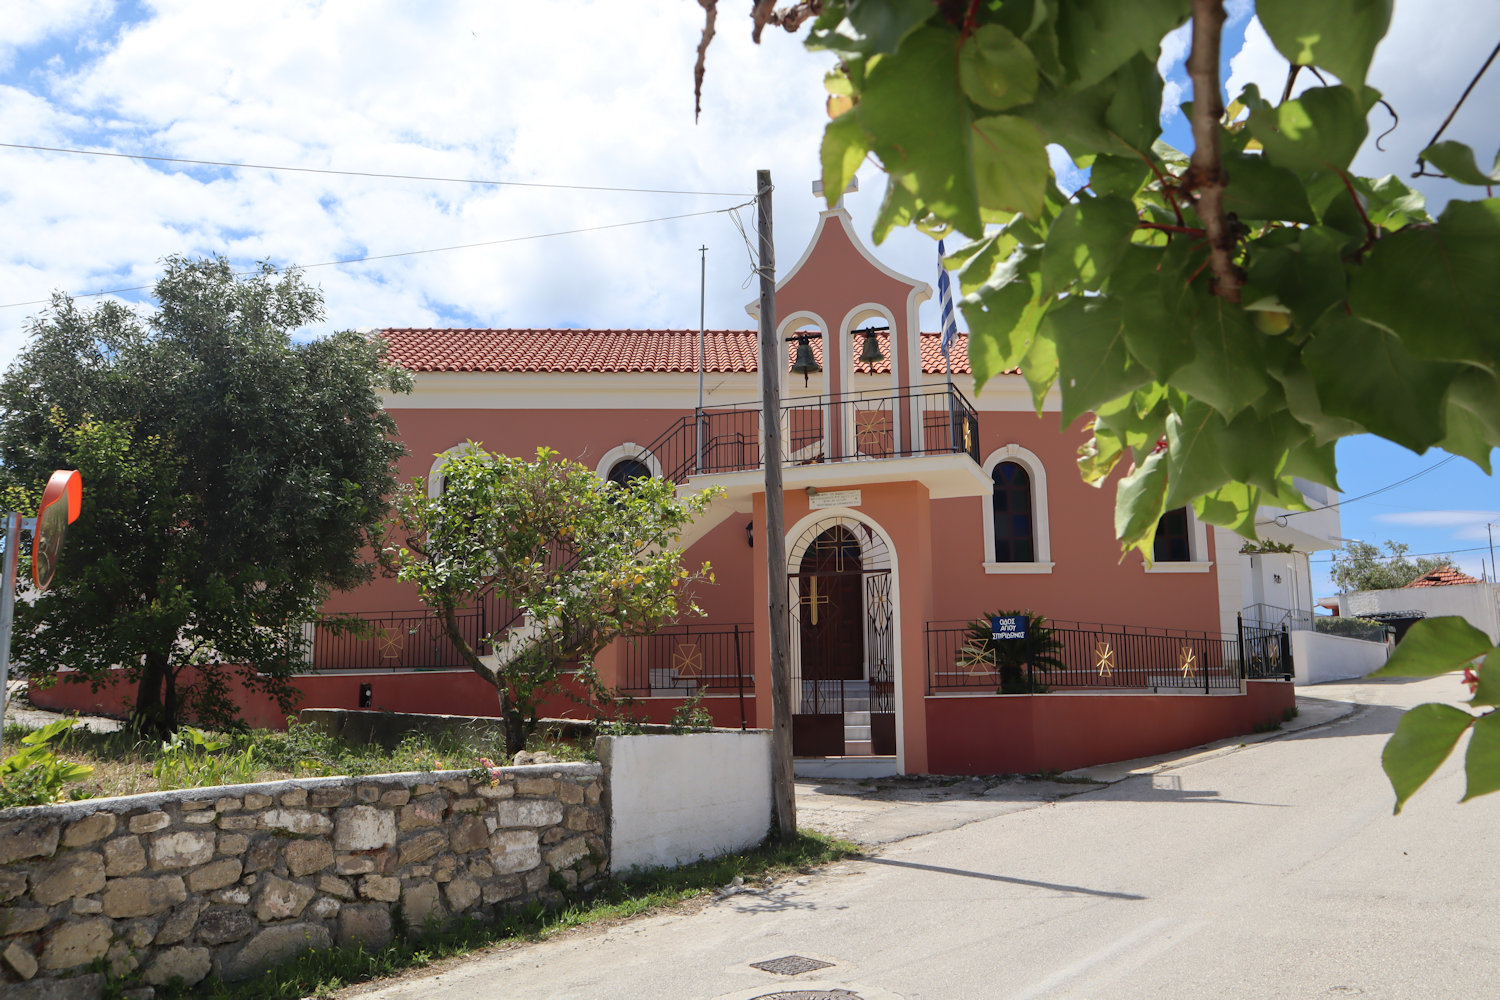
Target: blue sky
<point>480,90</point>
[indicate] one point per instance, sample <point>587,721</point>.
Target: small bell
<point>805,364</point>
<point>871,355</point>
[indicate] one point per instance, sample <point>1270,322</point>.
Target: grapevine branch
<point>1205,176</point>
<point>710,14</point>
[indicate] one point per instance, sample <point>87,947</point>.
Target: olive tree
<point>233,477</point>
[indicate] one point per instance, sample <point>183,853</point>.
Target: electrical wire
<point>370,173</point>
<point>411,253</point>
<point>1400,482</point>
<point>1408,555</point>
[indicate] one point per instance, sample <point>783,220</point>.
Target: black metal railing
<point>1266,652</point>
<point>1269,616</point>
<point>902,423</point>
<point>399,640</point>
<point>1090,656</point>
<point>682,659</point>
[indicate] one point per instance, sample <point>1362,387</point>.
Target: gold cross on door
<point>812,600</point>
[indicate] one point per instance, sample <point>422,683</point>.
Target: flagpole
<point>950,333</point>
<point>702,295</point>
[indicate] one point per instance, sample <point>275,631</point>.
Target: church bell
<point>805,364</point>
<point>871,355</point>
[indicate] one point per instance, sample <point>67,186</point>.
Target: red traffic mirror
<point>61,503</point>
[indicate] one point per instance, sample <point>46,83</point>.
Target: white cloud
<point>1174,50</point>
<point>1463,525</point>
<point>478,92</point>
<point>471,91</point>
<point>28,22</point>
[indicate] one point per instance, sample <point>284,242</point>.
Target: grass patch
<point>317,974</point>
<point>126,765</point>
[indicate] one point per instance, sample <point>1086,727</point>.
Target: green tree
<point>1223,315</point>
<point>586,560</point>
<point>232,479</point>
<point>1361,567</point>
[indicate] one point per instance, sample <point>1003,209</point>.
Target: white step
<point>855,734</point>
<point>856,718</point>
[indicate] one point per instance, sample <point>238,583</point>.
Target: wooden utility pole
<point>772,361</point>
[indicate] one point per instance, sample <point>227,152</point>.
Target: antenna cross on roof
<point>817,190</point>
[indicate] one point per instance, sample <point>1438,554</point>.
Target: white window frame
<point>627,450</point>
<point>434,477</point>
<point>1198,561</point>
<point>1041,535</point>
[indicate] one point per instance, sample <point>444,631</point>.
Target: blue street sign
<point>1008,627</point>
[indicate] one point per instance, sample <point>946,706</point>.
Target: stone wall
<point>230,880</point>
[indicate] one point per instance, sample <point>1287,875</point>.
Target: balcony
<point>859,427</point>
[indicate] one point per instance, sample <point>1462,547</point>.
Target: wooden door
<point>831,612</point>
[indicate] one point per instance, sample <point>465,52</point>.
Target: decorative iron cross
<point>869,430</point>
<point>978,657</point>
<point>812,599</point>
<point>391,644</point>
<point>687,660</point>
<point>1104,659</point>
<point>1187,661</point>
<point>835,545</point>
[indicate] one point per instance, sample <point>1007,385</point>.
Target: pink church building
<point>912,507</point>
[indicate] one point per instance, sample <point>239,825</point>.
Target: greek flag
<point>945,301</point>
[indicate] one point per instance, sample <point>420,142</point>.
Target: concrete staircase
<point>857,742</point>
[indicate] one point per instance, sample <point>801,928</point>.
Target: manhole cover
<point>811,995</point>
<point>792,965</point>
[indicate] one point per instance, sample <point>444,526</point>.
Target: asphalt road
<point>1275,870</point>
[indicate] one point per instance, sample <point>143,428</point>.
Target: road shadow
<point>1167,787</point>
<point>1031,883</point>
<point>1365,720</point>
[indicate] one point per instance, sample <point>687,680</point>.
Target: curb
<point>1312,713</point>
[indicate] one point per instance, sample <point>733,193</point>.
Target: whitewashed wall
<point>1476,603</point>
<point>674,799</point>
<point>1319,657</point>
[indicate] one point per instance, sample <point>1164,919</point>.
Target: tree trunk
<point>154,713</point>
<point>516,725</point>
<point>515,722</point>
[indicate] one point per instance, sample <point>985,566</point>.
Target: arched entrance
<point>843,672</point>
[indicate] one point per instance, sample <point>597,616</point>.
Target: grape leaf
<point>1338,35</point>
<point>1423,739</point>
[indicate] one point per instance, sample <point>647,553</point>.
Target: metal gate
<point>842,667</point>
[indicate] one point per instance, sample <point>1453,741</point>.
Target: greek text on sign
<point>834,498</point>
<point>1008,627</point>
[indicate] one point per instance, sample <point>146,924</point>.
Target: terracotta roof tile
<point>1443,576</point>
<point>451,350</point>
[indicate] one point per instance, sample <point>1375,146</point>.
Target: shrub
<point>190,759</point>
<point>691,716</point>
<point>1352,628</point>
<point>34,775</point>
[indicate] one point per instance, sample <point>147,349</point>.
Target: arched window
<point>625,462</point>
<point>1173,540</point>
<point>437,483</point>
<point>1016,536</point>
<point>627,469</point>
<point>1015,539</point>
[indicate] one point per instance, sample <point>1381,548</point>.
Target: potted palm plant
<point>1011,658</point>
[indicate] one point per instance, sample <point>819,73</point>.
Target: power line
<point>1411,555</point>
<point>1400,482</point>
<point>371,173</point>
<point>410,253</point>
